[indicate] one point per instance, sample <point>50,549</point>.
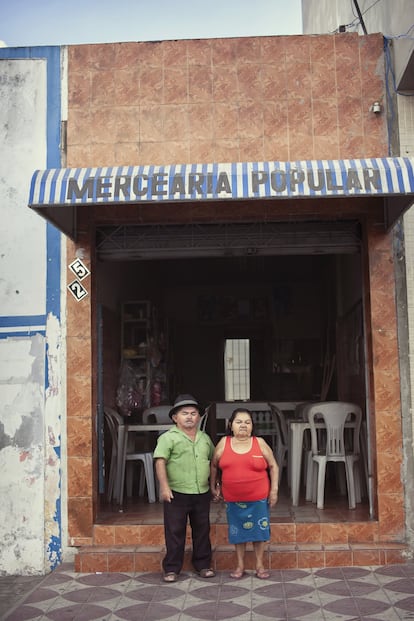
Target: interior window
<point>237,369</point>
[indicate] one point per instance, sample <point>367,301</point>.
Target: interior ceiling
<point>219,271</point>
<point>132,243</point>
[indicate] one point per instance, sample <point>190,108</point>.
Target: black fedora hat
<point>183,400</point>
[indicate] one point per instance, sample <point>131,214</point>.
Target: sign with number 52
<point>77,290</point>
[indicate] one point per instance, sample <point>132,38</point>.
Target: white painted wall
<point>391,17</point>
<point>325,16</point>
<point>23,147</point>
<point>30,398</point>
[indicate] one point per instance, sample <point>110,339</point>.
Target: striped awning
<point>386,177</point>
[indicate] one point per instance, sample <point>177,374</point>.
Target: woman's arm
<point>273,471</point>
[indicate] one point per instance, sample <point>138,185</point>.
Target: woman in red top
<point>249,486</point>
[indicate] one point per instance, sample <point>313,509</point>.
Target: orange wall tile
<point>173,93</point>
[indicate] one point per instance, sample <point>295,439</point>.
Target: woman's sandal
<point>170,576</point>
<point>237,574</point>
<point>262,574</point>
<point>207,573</point>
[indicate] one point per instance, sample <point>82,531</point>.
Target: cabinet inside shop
<point>143,376</point>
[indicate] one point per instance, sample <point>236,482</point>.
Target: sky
<point>65,22</point>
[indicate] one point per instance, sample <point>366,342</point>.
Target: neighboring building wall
<point>31,346</point>
<point>394,19</point>
<point>326,16</point>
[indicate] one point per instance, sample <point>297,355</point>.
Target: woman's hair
<point>233,416</point>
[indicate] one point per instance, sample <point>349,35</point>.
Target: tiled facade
<point>228,100</point>
<point>225,100</point>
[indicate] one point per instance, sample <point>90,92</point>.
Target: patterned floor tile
<point>147,612</point>
<point>357,606</point>
<point>329,594</point>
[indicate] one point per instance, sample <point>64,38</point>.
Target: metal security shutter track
<point>228,239</point>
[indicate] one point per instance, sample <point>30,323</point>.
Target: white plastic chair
<point>265,425</point>
<point>110,419</point>
<point>328,445</point>
<point>115,421</point>
<point>204,418</point>
<point>157,414</point>
<point>281,438</point>
<point>146,475</point>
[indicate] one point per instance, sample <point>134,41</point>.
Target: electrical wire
<point>402,36</point>
<point>355,22</point>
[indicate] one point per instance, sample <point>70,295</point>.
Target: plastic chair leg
<point>280,456</point>
<point>359,482</point>
<point>321,484</point>
<point>129,478</point>
<point>142,478</point>
<point>149,475</point>
<point>349,466</point>
<point>111,492</point>
<point>310,473</point>
<point>146,462</point>
<point>146,476</point>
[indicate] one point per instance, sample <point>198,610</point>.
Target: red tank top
<point>244,475</point>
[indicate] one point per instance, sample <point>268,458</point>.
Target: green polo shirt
<point>187,462</point>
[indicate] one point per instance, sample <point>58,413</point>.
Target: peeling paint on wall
<point>22,459</point>
<point>53,535</point>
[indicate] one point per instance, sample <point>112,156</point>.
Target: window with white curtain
<point>237,369</point>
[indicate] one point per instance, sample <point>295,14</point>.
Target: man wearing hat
<point>182,463</point>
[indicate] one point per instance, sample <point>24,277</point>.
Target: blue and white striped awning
<point>385,177</point>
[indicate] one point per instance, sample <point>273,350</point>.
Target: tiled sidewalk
<point>335,594</point>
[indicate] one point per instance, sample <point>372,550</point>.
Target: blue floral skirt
<point>248,521</point>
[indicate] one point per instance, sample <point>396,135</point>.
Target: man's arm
<point>166,494</point>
